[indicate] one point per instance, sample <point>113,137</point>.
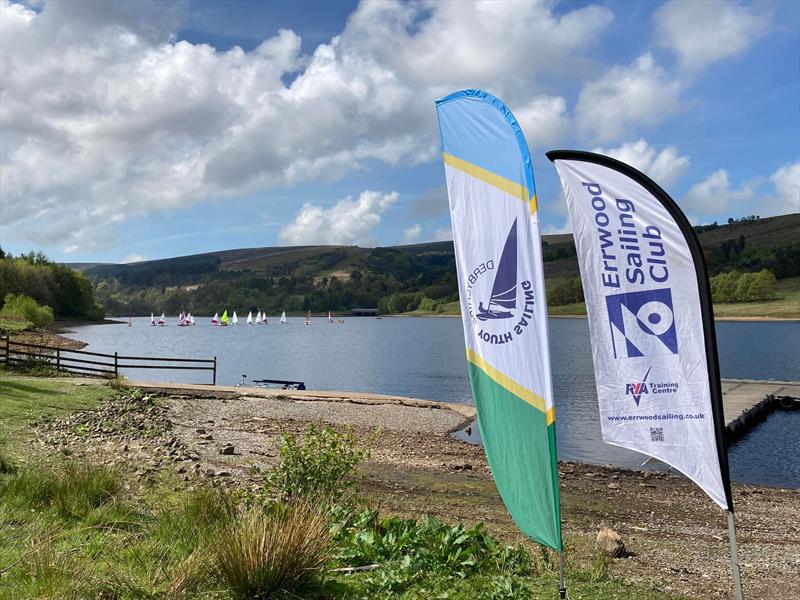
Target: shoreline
<point>676,535</point>
<point>583,316</point>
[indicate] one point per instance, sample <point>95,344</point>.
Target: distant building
<point>365,312</point>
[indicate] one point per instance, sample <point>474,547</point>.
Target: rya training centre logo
<point>640,388</point>
<point>642,323</point>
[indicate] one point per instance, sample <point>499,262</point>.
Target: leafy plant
<point>408,549</point>
<point>318,466</point>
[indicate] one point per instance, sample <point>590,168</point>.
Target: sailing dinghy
<point>224,320</point>
<point>504,290</point>
<point>215,319</point>
<point>162,321</point>
<point>235,319</point>
<point>283,318</point>
<point>250,318</point>
<point>258,318</point>
<point>152,320</point>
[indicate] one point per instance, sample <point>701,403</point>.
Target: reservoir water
<point>424,358</point>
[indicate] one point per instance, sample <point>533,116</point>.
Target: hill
<point>394,279</point>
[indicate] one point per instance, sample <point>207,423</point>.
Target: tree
<point>763,286</point>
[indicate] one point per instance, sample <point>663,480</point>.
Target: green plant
<point>25,308</point>
<point>7,466</point>
<point>318,466</point>
<point>264,554</point>
<point>409,550</point>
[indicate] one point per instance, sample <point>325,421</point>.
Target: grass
<point>282,551</point>
<point>27,400</point>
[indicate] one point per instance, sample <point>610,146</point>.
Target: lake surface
<point>424,358</point>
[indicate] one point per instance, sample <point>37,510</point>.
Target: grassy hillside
<point>419,277</point>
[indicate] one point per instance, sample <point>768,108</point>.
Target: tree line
<point>65,292</point>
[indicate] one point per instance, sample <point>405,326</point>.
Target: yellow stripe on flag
<point>511,188</point>
<point>512,386</point>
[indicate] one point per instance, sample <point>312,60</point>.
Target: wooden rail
<point>72,361</point>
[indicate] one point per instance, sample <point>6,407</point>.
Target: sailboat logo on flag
<point>642,323</point>
<point>503,298</point>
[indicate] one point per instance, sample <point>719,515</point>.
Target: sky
<point>141,130</point>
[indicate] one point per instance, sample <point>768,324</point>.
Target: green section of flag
<point>521,450</point>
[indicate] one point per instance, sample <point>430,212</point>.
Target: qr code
<point>656,434</point>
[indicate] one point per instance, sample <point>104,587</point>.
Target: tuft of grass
<point>7,466</point>
<point>73,490</point>
<point>268,554</point>
<point>82,488</point>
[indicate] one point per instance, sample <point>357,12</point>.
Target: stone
<point>613,486</point>
<point>610,543</point>
<point>228,449</point>
<point>200,430</point>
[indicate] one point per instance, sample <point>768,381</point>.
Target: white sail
<point>235,319</point>
<point>152,319</point>
<point>258,318</point>
<point>250,318</point>
<point>215,319</point>
<point>283,317</point>
<point>191,319</point>
<point>162,320</point>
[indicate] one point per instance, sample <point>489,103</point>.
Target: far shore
<point>583,316</point>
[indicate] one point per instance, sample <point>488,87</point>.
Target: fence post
<point>214,377</point>
<point>58,360</point>
<point>116,365</point>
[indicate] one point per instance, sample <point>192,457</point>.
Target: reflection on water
<point>424,358</point>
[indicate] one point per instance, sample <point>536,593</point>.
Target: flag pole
<point>562,588</point>
<point>737,576</point>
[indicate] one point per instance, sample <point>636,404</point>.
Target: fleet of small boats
<point>186,319</point>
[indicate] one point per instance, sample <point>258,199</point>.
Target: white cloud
<point>347,222</point>
<point>664,167</point>
<point>137,122</point>
<point>544,120</point>
<point>715,196</point>
<point>703,32</point>
<point>443,234</point>
<point>412,234</point>
<point>787,187</point>
<point>642,94</point>
<point>133,258</point>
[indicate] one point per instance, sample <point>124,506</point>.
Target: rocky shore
<point>675,537</point>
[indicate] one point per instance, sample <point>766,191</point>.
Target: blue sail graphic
<point>504,290</point>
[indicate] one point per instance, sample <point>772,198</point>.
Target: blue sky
<point>141,130</point>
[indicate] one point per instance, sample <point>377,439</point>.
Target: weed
<point>316,467</point>
<point>265,554</point>
<point>7,466</point>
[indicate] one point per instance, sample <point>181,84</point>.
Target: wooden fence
<point>95,364</point>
